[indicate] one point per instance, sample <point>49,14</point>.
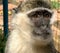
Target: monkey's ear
<point>18,8</point>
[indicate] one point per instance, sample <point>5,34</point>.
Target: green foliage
<point>2,42</point>
<point>55,4</point>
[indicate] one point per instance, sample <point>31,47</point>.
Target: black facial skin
<point>41,20</point>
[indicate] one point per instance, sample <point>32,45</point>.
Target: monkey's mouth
<point>37,32</point>
<point>43,32</point>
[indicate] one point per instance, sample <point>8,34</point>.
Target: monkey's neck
<point>42,49</point>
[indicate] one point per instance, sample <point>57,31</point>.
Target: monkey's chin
<point>40,41</point>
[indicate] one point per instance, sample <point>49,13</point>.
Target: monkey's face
<point>35,25</point>
<point>41,19</point>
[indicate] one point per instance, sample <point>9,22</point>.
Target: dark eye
<point>47,14</point>
<point>34,14</point>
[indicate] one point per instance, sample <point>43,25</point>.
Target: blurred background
<point>13,4</point>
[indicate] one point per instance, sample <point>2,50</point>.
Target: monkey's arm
<point>12,45</point>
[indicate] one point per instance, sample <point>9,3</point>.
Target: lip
<point>41,33</point>
<point>37,32</point>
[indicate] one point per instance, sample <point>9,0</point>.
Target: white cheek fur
<point>53,19</point>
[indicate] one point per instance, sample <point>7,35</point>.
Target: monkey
<point>31,28</point>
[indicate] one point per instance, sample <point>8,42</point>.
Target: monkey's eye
<point>47,14</point>
<point>35,14</point>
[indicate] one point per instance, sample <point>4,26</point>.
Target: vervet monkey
<point>31,29</point>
